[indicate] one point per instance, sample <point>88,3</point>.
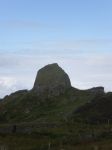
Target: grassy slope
<point>27,106</point>
<point>98,111</point>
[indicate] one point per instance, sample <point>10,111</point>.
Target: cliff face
<point>51,80</point>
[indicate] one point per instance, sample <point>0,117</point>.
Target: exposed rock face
<point>97,90</point>
<point>51,80</point>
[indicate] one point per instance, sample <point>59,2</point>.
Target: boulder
<point>51,80</point>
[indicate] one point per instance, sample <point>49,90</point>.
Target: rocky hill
<point>52,98</point>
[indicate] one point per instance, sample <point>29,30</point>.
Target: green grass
<point>27,106</point>
<point>35,143</point>
<point>51,124</point>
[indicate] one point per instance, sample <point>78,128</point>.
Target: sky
<point>76,34</point>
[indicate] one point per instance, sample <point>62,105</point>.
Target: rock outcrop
<point>51,80</point>
<point>97,90</point>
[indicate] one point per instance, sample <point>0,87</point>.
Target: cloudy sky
<point>77,34</point>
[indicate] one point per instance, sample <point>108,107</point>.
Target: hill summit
<point>51,80</point>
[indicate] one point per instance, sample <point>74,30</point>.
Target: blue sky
<point>77,34</point>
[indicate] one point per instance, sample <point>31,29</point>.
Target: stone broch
<point>51,80</point>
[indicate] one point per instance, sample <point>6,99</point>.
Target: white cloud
<point>7,82</point>
<point>7,85</point>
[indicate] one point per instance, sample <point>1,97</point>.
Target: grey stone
<point>97,89</point>
<point>51,80</point>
